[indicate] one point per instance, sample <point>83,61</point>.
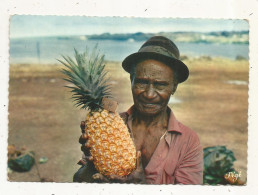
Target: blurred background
<point>42,117</point>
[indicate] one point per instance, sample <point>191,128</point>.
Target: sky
<point>33,26</point>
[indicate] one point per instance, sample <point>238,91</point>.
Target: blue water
<point>47,50</point>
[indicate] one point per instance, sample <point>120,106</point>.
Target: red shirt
<point>178,158</point>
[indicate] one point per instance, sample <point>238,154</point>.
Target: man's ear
<point>174,88</point>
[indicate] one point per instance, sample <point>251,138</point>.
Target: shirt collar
<point>130,110</point>
<point>173,123</point>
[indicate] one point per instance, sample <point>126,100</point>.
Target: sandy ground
<point>43,119</point>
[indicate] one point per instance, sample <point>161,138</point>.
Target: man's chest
<point>147,141</point>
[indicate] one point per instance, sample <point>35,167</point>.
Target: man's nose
<point>150,92</point>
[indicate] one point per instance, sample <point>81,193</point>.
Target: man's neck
<point>158,120</point>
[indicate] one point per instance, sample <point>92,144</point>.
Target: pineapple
<point>112,148</point>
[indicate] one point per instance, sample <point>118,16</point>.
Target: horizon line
<point>71,35</point>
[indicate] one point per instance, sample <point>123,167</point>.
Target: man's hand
<point>137,176</point>
<point>85,148</point>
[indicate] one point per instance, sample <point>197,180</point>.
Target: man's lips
<point>149,105</point>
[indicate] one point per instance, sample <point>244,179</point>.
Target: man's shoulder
<point>188,133</point>
<point>184,131</point>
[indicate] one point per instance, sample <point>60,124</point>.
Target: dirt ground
<point>43,119</point>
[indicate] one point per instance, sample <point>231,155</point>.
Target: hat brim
<point>175,64</point>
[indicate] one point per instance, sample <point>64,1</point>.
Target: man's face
<point>152,86</point>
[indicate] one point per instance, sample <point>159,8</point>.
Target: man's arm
<point>190,170</point>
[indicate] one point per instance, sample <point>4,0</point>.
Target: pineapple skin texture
<point>112,148</point>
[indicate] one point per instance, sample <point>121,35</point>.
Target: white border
<point>227,9</point>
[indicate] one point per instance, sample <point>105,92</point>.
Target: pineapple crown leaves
<point>88,76</point>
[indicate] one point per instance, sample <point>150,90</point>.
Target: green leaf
<point>87,73</point>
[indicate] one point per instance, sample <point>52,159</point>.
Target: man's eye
<point>141,81</point>
<point>161,84</point>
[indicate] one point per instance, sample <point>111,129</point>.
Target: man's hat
<point>162,49</point>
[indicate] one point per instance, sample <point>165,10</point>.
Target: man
<point>170,152</point>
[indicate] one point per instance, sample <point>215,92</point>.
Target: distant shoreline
<point>218,37</point>
<point>48,49</point>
